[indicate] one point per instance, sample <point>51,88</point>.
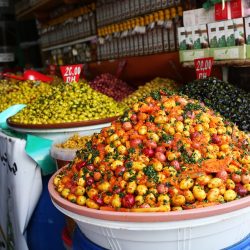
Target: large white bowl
<point>210,228</point>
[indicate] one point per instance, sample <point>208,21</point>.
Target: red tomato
<point>222,175</point>
<point>236,178</point>
<point>162,189</point>
<point>127,126</point>
<point>119,171</point>
<point>160,156</point>
<point>148,152</point>
<point>128,201</point>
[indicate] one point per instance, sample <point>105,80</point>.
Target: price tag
<point>71,73</point>
<point>121,66</point>
<point>203,67</point>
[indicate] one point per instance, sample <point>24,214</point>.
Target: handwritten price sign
<point>71,73</point>
<point>203,67</point>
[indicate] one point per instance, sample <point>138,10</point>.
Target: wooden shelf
<point>224,63</point>
<point>61,45</point>
<point>140,69</point>
<point>39,6</point>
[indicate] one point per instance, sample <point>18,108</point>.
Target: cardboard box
<point>198,17</point>
<point>196,37</point>
<point>221,35</point>
<point>228,53</point>
<point>248,51</point>
<point>182,38</point>
<point>229,32</point>
<point>204,36</point>
<point>212,35</point>
<point>239,8</point>
<point>239,31</point>
<point>190,55</point>
<point>247,29</point>
<point>220,13</point>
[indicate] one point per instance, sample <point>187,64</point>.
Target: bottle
<point>165,31</point>
<point>131,38</point>
<point>160,25</point>
<point>178,23</point>
<point>150,34</point>
<point>141,34</point>
<point>120,40</point>
<point>115,39</point>
<point>172,36</point>
<point>155,33</point>
<point>136,38</point>
<point>145,36</point>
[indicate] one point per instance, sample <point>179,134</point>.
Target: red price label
<point>71,73</point>
<point>203,67</point>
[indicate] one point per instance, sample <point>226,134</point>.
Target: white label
<point>232,53</point>
<point>4,3</point>
<point>193,54</point>
<point>7,57</point>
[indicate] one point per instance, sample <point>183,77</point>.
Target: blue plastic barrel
<point>242,245</point>
<point>81,242</point>
<point>46,224</point>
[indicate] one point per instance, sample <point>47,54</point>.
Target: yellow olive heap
<point>20,92</point>
<point>69,103</point>
<point>74,142</point>
<point>145,90</point>
<point>167,153</point>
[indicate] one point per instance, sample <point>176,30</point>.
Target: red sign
<point>203,67</point>
<point>71,73</point>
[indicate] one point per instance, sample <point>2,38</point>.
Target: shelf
<point>39,6</point>
<point>62,45</point>
<point>144,68</point>
<point>224,63</point>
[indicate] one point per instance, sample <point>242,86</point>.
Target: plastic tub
<point>81,242</point>
<point>213,228</point>
<point>46,224</point>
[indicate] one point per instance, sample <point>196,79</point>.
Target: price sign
<point>71,73</point>
<point>203,67</point>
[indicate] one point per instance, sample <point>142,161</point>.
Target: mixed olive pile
<point>74,142</point>
<point>229,100</point>
<point>25,92</point>
<point>69,103</point>
<point>166,153</point>
<point>145,90</point>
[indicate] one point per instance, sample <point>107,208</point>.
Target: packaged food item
<point>204,36</point>
<point>239,31</point>
<point>247,29</point>
<point>212,35</point>
<point>229,31</point>
<point>221,35</point>
<point>182,38</point>
<point>222,13</point>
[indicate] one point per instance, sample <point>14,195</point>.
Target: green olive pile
<point>230,101</point>
<point>145,90</point>
<point>65,103</point>
<point>20,92</point>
